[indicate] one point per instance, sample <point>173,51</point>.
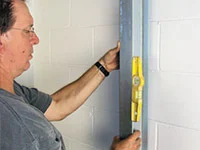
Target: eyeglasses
<point>31,32</point>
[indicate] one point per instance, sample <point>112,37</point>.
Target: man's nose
<point>35,40</point>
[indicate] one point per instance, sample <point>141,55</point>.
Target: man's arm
<point>72,96</point>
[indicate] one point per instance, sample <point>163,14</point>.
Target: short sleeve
<point>34,97</point>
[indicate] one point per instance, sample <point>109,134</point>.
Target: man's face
<point>19,43</point>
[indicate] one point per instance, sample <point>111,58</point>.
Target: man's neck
<point>6,82</point>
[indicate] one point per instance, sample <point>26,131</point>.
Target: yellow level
<point>137,86</point>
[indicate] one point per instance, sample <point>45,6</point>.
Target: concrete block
<point>50,78</point>
<point>154,46</point>
<point>52,14</point>
<point>106,97</point>
<point>179,51</point>
<point>97,12</point>
<point>78,126</point>
<point>173,99</point>
<point>152,135</point>
<point>105,38</point>
<point>76,145</point>
<point>42,50</point>
<point>106,126</point>
<point>173,9</point>
<point>177,138</point>
<point>71,46</point>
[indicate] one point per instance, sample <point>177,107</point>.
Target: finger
<point>137,144</point>
<point>117,48</point>
<point>135,135</point>
<point>118,44</point>
<point>138,141</point>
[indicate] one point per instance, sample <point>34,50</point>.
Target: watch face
<point>136,81</point>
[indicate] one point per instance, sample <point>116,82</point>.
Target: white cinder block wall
<point>174,75</point>
<point>74,34</point>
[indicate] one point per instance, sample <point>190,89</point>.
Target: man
<point>25,113</point>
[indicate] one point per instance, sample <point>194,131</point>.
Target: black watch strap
<point>102,69</point>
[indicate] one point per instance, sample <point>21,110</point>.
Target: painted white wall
<point>73,35</point>
<point>174,75</point>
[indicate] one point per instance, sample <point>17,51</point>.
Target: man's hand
<point>133,142</point>
<point>111,59</point>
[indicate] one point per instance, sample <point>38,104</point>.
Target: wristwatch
<point>102,69</point>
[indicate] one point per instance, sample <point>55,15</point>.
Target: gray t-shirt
<point>23,125</point>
